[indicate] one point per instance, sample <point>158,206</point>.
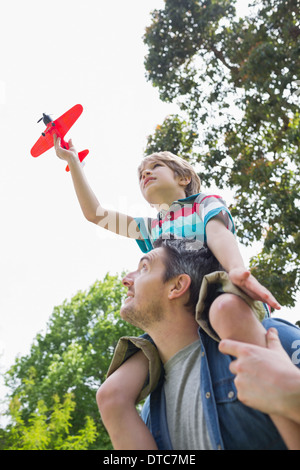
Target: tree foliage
<point>175,134</point>
<point>235,81</point>
<point>55,385</point>
<point>48,429</point>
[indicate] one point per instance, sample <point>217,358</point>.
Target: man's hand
<point>247,282</point>
<point>64,154</point>
<point>266,378</point>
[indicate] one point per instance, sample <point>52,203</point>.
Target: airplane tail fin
<point>81,156</point>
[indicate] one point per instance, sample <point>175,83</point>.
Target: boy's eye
<point>152,167</point>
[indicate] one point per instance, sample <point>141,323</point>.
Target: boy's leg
<point>232,318</point>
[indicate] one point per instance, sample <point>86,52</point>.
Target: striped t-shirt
<point>185,218</point>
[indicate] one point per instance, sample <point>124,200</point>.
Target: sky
<point>54,55</point>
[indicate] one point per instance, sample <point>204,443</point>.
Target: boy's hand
<point>64,154</point>
<point>247,282</point>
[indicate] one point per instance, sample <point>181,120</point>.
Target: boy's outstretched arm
<point>116,400</point>
<point>225,248</point>
<point>92,210</point>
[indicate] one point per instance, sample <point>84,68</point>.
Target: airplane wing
<point>66,121</point>
<point>43,144</point>
<point>62,125</point>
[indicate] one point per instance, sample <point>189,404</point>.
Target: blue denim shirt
<point>231,425</point>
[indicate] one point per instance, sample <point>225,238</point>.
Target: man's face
<point>147,293</point>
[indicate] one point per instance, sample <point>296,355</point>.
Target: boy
<point>165,178</point>
<point>171,185</point>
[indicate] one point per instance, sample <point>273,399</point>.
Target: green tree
<point>72,357</point>
<point>48,429</point>
<point>175,134</point>
<point>235,82</point>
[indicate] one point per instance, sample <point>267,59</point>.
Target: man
<point>194,404</point>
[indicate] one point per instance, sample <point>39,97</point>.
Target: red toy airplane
<point>59,127</point>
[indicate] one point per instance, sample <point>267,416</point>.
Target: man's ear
<point>179,286</point>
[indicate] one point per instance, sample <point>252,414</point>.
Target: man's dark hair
<point>183,257</point>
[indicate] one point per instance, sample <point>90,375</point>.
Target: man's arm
<point>266,379</point>
<point>225,248</point>
<point>116,399</point>
<point>92,210</point>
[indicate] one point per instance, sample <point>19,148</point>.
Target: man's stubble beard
<point>144,318</point>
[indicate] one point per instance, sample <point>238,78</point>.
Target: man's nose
<point>128,280</point>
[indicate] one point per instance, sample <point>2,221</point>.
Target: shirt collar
<point>183,201</point>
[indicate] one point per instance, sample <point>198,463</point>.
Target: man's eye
<point>155,165</point>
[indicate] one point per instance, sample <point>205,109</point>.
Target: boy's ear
<point>179,286</point>
<point>184,180</point>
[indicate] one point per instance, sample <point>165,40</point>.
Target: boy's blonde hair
<point>179,166</point>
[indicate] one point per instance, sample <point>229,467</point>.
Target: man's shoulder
<point>289,334</point>
<point>282,325</point>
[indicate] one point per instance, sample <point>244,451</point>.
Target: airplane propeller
<point>45,118</point>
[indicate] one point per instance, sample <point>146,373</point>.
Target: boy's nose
<point>146,173</point>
